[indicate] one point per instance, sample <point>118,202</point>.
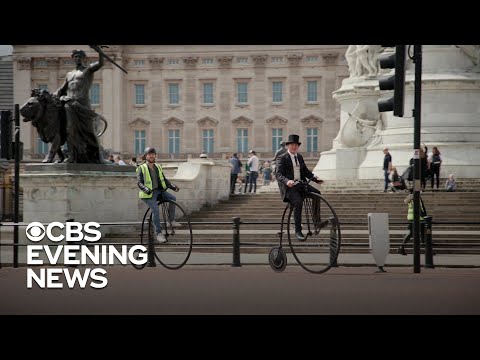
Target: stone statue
<point>363,60</point>
<point>358,129</point>
<point>83,146</point>
<point>351,57</point>
<point>47,114</point>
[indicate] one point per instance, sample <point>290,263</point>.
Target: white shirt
<point>296,166</point>
<point>253,162</point>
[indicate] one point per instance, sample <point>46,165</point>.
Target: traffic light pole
<point>417,58</point>
<point>17,185</point>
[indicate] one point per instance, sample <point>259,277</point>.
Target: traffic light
<point>6,135</point>
<point>394,82</point>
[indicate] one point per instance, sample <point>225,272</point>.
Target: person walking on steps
<point>423,212</point>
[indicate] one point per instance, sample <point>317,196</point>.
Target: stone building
<point>185,99</point>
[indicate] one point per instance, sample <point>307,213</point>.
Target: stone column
<point>259,102</point>
<point>225,138</point>
<point>295,98</point>
<point>22,73</point>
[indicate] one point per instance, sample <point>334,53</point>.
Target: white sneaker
<point>175,224</point>
<point>160,239</point>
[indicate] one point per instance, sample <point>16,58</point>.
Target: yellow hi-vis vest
<point>410,211</point>
<point>147,180</point>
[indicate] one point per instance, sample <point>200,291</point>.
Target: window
<point>312,58</point>
<point>207,61</point>
<point>277,59</point>
<point>68,62</point>
<point>173,94</point>
<point>174,141</point>
<point>139,141</point>
<point>139,62</point>
<point>42,148</point>
<point>208,93</point>
<point>277,91</point>
<point>173,61</point>
<point>242,60</point>
<point>242,140</point>
<point>43,86</point>
<point>312,94</point>
<point>242,93</point>
<point>95,94</point>
<point>312,139</point>
<point>208,145</point>
<point>277,137</point>
<point>139,94</point>
<point>40,63</point>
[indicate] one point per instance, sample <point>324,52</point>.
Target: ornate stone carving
<point>24,63</point>
<point>52,62</point>
<point>330,59</point>
<point>173,122</point>
<point>259,60</point>
<point>190,62</point>
<point>242,120</point>
<point>207,121</point>
<point>225,61</point>
<point>311,120</point>
<point>276,120</point>
<point>139,123</point>
<point>294,59</point>
<point>156,61</point>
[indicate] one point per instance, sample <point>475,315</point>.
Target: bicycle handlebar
<point>296,182</point>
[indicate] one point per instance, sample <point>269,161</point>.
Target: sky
<point>6,50</point>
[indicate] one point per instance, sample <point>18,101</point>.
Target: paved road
<point>252,290</point>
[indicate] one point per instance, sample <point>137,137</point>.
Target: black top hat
<point>293,139</point>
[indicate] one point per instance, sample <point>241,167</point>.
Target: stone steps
<point>265,210</point>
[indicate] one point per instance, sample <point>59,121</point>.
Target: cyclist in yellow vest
<point>409,201</point>
<point>153,187</point>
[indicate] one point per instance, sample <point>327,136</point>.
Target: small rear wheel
<point>277,259</point>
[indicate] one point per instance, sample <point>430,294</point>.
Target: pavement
<point>246,290</point>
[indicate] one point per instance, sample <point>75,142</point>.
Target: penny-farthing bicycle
<point>175,252</point>
<point>321,228</point>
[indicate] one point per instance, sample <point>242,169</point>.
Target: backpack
<point>408,173</point>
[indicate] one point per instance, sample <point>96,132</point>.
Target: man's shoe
<point>160,239</point>
<point>300,236</point>
<point>175,224</point>
<point>401,250</point>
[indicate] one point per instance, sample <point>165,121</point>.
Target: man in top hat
<point>289,168</point>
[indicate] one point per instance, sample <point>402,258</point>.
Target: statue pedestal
<point>449,119</point>
<point>83,192</point>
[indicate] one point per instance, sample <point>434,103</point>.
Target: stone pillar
<point>295,98</point>
<point>259,93</point>
<point>22,73</point>
<point>226,138</point>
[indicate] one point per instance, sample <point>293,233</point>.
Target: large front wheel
<point>321,228</point>
<point>174,253</point>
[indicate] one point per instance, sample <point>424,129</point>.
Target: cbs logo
<point>74,231</point>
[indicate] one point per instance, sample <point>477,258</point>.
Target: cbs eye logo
<point>35,231</point>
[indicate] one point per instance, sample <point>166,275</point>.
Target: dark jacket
<point>284,172</point>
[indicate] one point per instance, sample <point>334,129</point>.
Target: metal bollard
<point>151,248</point>
<point>236,242</point>
<point>333,241</point>
<point>428,243</point>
